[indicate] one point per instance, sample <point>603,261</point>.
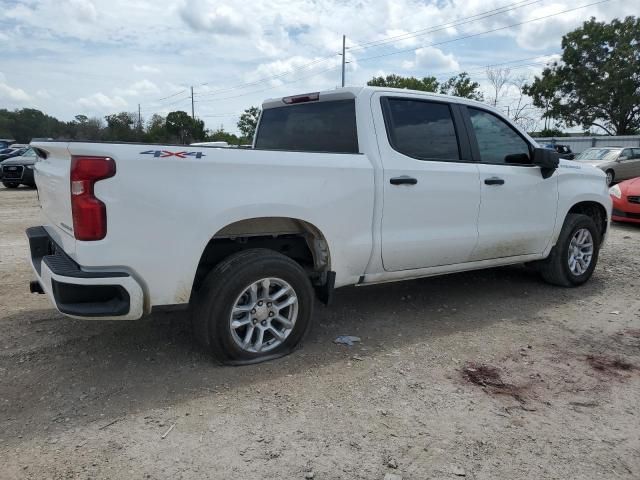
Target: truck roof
<point>342,93</point>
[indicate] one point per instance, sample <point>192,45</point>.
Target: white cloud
<point>210,17</point>
<point>299,66</point>
<point>138,51</point>
<point>12,94</point>
<point>146,69</point>
<point>431,59</point>
<point>82,10</point>
<point>140,88</point>
<point>102,102</point>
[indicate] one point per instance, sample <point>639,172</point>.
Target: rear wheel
<point>610,177</point>
<point>253,306</point>
<point>10,184</point>
<point>574,257</point>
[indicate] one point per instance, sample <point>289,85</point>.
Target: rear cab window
<point>324,126</point>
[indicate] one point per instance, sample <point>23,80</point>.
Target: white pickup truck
<point>352,186</point>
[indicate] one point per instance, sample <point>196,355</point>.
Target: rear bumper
<point>78,293</point>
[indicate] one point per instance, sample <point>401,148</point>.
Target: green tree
<point>179,124</point>
<point>221,135</point>
<point>28,123</point>
<point>120,127</point>
<point>426,84</point>
<point>545,93</point>
<point>597,82</point>
<point>85,128</point>
<point>156,131</point>
<point>549,132</point>
<point>462,86</point>
<point>248,122</point>
<point>183,127</point>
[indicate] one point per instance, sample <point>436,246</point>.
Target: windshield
<point>599,154</point>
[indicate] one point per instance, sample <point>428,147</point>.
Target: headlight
<point>615,191</point>
<point>30,167</point>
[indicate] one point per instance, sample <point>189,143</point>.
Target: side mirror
<point>547,160</point>
<point>622,157</point>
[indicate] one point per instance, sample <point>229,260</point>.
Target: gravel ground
<point>483,375</point>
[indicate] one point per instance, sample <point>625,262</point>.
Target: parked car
<point>353,186</point>
<point>18,170</point>
<point>617,162</point>
<point>563,150</point>
<point>11,152</point>
<point>6,142</point>
<point>626,201</point>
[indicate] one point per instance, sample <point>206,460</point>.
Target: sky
<point>97,57</point>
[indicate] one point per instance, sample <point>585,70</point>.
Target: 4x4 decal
<point>166,153</point>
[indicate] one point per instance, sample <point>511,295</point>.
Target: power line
<point>269,88</point>
<point>170,96</point>
<point>444,26</point>
<point>482,68</point>
<point>264,79</point>
<point>413,49</point>
<point>174,102</point>
<point>461,21</point>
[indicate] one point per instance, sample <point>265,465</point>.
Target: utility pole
<point>193,110</point>
<point>139,117</point>
<point>344,59</point>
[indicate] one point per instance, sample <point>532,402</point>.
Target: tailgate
<point>52,180</point>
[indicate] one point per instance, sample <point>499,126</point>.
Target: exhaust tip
<point>35,287</point>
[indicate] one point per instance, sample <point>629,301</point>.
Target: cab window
<point>421,129</point>
<point>498,142</point>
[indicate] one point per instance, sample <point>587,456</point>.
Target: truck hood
<point>19,161</point>
<point>585,168</point>
<point>593,163</point>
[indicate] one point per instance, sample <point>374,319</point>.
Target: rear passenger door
<point>518,206</point>
<point>431,186</point>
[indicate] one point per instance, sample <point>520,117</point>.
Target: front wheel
<point>574,257</point>
<point>610,177</point>
<point>10,184</point>
<point>253,306</point>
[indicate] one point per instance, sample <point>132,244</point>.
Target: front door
<point>519,206</point>
<point>431,186</point>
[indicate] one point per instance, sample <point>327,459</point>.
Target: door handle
<point>494,181</point>
<point>403,180</point>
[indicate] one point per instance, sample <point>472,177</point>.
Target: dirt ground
<point>483,375</point>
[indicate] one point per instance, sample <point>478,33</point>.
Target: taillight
<point>89,213</point>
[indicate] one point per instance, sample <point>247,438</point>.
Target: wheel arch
<point>296,238</point>
<point>595,210</point>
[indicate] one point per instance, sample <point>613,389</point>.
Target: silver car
<point>617,162</point>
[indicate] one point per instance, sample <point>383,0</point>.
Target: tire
<point>10,184</point>
<point>228,286</point>
<point>611,176</point>
<point>556,269</point>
